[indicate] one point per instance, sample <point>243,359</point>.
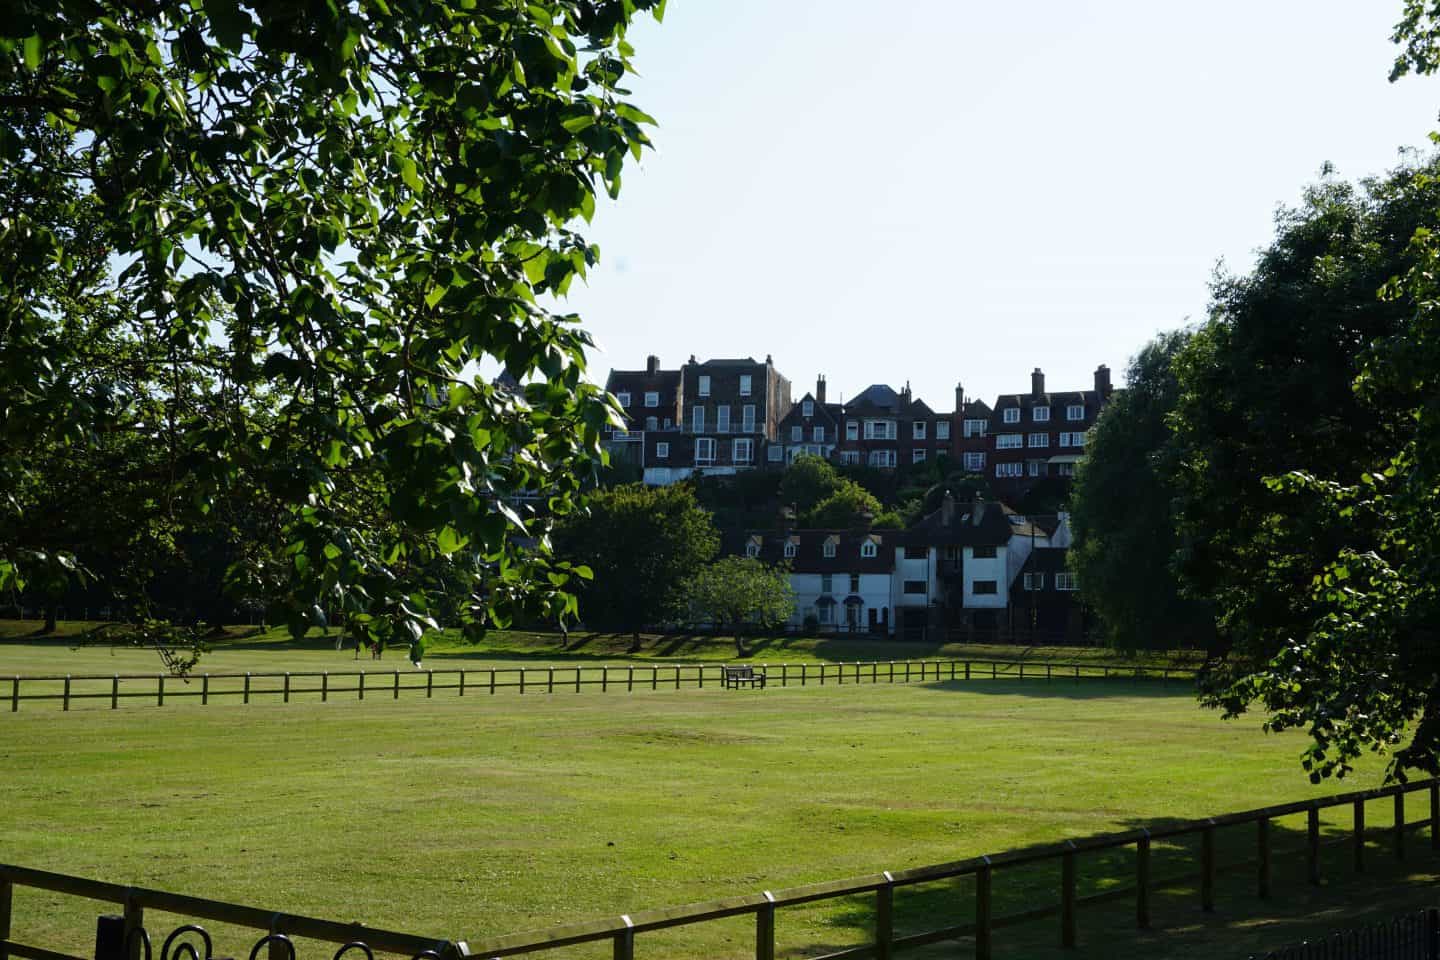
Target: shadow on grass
<point>1087,688</point>
<point>1241,922</point>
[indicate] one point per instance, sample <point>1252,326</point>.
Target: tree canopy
<point>298,233</point>
<point>736,592</point>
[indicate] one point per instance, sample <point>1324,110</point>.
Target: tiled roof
<point>810,549</point>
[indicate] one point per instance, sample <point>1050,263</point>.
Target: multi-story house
<point>651,399</point>
<point>811,427</point>
<point>970,435</point>
<point>887,429</point>
<point>730,414</point>
<point>843,579</point>
<point>1040,434</point>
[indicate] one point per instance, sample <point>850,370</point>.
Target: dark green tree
<point>643,544</point>
<point>1121,510</point>
<point>343,209</point>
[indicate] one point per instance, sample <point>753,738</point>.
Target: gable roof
<point>809,549</point>
<point>976,524</point>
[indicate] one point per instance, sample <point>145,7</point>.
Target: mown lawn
<point>260,650</point>
<point>478,817</point>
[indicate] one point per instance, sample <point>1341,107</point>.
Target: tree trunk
<point>740,649</point>
<point>634,642</point>
<point>50,617</point>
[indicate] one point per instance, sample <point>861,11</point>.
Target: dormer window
<point>830,547</point>
<point>652,398</point>
<point>1076,411</point>
<point>752,549</point>
<point>624,399</point>
<point>868,549</point>
<point>807,409</point>
<point>1040,414</point>
<point>1012,414</point>
<point>789,548</point>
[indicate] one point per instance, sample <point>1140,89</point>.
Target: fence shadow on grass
<point>1240,923</point>
<point>1089,687</point>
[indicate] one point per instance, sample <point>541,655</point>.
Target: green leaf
<point>32,51</point>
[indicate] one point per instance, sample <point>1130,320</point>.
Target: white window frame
<point>702,389</point>
<point>850,457</point>
<point>942,429</point>
<point>917,430</point>
<point>747,418</point>
<point>742,444</point>
<point>974,462</point>
<point>1040,414</point>
<point>817,434</point>
<point>882,458</point>
<point>1075,411</point>
<point>704,443</point>
<point>697,419</point>
<point>752,550</point>
<point>1009,441</point>
<point>975,428</point>
<point>879,429</point>
<point>829,549</point>
<point>1011,415</point>
<point>652,424</point>
<point>1034,467</point>
<point>746,382</point>
<point>917,456</point>
<point>852,430</point>
<point>776,453</point>
<point>1067,582</point>
<point>807,409</point>
<point>1066,469</point>
<point>789,549</point>
<point>662,451</point>
<point>624,397</point>
<point>1034,582</point>
<point>797,434</point>
<point>868,549</point>
<point>1011,469</point>
<point>722,418</point>
<point>1039,441</point>
<point>652,398</point>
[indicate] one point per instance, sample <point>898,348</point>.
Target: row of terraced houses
<point>724,416</point>
<point>967,565</point>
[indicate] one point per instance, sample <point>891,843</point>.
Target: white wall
<point>874,590</point>
<point>987,569</point>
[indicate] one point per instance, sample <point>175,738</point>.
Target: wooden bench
<point>735,676</point>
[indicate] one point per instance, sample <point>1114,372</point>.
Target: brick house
<point>651,399</point>
<point>1041,434</point>
<point>887,429</point>
<point>970,435</point>
<point>811,427</point>
<point>730,414</point>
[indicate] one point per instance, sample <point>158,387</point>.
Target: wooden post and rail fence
<point>988,873</point>
<point>159,688</point>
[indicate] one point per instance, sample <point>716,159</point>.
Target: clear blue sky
<point>945,190</point>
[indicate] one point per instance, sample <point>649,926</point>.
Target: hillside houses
<point>724,416</point>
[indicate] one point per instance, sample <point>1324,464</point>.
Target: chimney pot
<point>820,389</point>
<point>652,365</point>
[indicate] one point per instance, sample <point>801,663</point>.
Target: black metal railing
<point>1410,936</point>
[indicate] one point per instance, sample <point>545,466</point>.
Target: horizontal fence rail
<point>158,688</point>
<point>987,871</point>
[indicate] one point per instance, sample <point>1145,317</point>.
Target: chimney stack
<point>905,396</point>
<point>652,365</point>
<point>959,400</point>
<point>1037,382</point>
<point>1102,381</point>
<point>820,389</point>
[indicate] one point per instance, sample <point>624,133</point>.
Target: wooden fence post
<point>522,680</point>
<point>395,687</point>
<point>1262,842</point>
<point>1207,868</point>
<point>287,687</point>
<point>982,912</point>
<point>462,683</point>
<point>1399,827</point>
<point>66,696</point>
<point>885,920</point>
<point>15,695</point>
<point>907,671</point>
<point>429,684</point>
<point>1068,926</point>
<point>654,678</point>
<point>967,669</point>
<point>677,680</point>
<point>115,692</point>
<point>784,673</point>
<point>1359,835</point>
<point>159,689</point>
<point>1142,881</point>
<point>492,681</point>
<point>205,690</point>
<point>994,671</point>
<point>822,674</point>
<point>134,920</point>
<point>765,929</point>
<point>1312,845</point>
<point>324,686</point>
<point>630,678</point>
<point>361,685</point>
<point>7,903</point>
<point>605,679</point>
<point>1435,816</point>
<point>549,679</point>
<point>804,673</point>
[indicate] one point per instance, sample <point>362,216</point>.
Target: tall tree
<point>346,208</point>
<point>643,544</point>
<point>738,592</point>
<point>1122,510</point>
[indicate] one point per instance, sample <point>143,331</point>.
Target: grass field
<point>478,817</point>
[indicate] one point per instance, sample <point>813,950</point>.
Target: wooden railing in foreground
<point>882,886</point>
<point>987,871</point>
<point>159,688</point>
